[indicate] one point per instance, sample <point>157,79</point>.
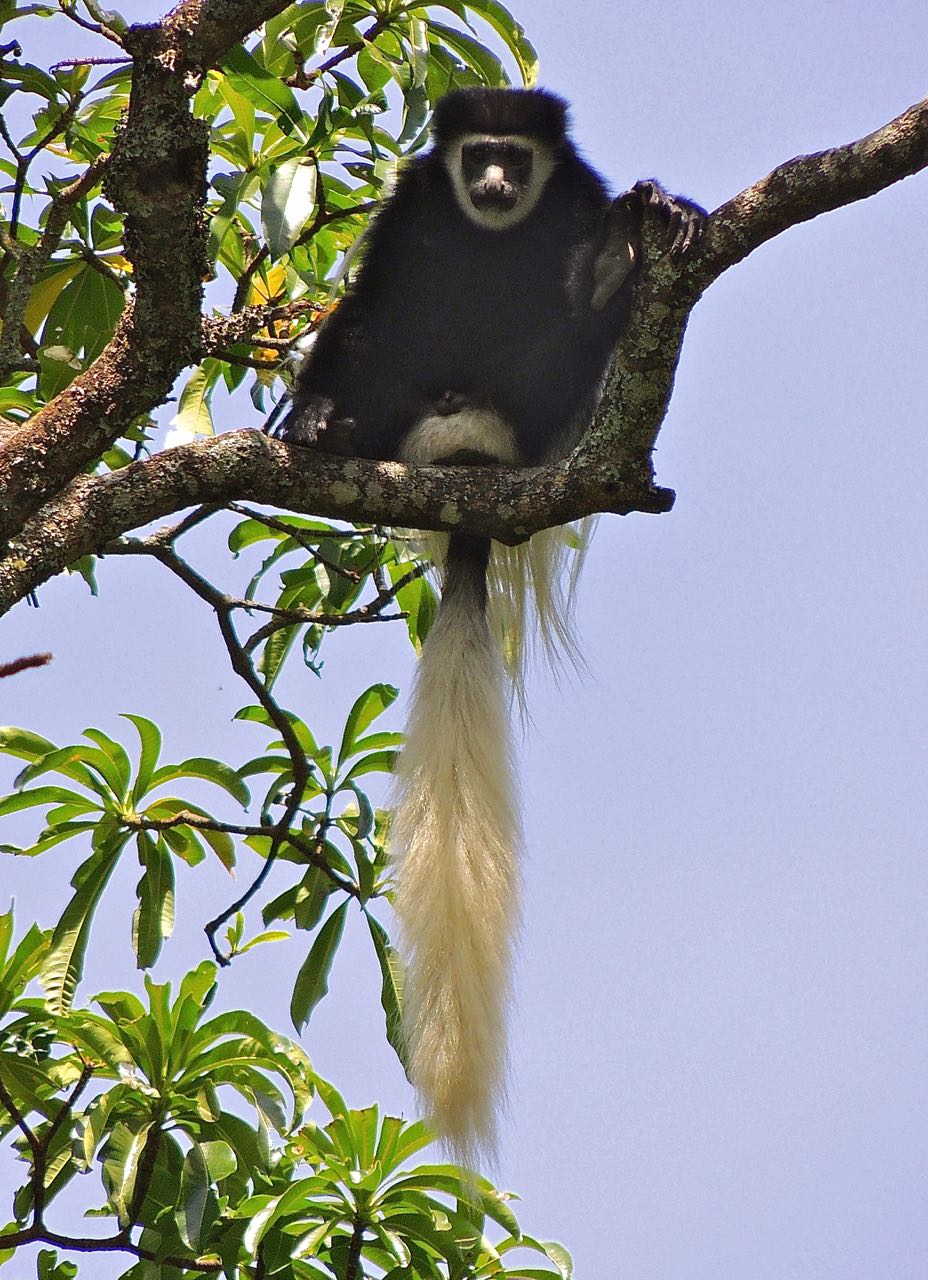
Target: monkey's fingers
<point>688,231</point>
<point>305,423</point>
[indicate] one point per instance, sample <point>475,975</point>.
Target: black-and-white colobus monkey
<point>493,286</point>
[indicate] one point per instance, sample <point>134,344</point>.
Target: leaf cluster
<point>205,1159</point>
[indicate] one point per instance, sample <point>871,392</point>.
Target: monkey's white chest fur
<point>475,429</point>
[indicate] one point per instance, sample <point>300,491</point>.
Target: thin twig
<point>163,551</point>
<point>6,1100</point>
<point>302,79</point>
<point>185,818</point>
<point>89,62</point>
<point>24,664</point>
<point>248,362</point>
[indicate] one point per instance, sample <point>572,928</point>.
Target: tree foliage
<point>114,226</point>
<point>179,199</point>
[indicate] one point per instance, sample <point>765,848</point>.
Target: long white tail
<point>454,836</point>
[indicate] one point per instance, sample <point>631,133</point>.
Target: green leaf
<point>194,416</point>
<point>311,896</point>
<point>392,974</point>
<point>194,1196</point>
<point>52,280</point>
<point>119,771</point>
<point>287,203</point>
<point>40,796</point>
<point>18,970</point>
<point>23,743</point>
<point>512,33</point>
<point>371,703</point>
<point>153,920</point>
<point>307,1245</point>
<point>419,600</point>
<point>398,1141</point>
<point>471,51</point>
<point>98,1039</point>
<point>376,762</point>
<point>550,1248</point>
<point>64,964</point>
<point>82,319</point>
<point>210,771</point>
<point>49,1268</point>
<point>265,90</point>
<point>120,1166</point>
<point>312,981</point>
<point>365,813</point>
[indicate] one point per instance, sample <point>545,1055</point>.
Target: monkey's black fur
<point>529,113</point>
<point>440,303</point>
<point>495,282</point>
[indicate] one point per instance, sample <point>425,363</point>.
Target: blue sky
<point>721,1027</point>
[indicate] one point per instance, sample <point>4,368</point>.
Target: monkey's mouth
<point>494,195</point>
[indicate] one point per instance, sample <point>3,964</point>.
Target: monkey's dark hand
<point>305,423</point>
<point>313,426</point>
<point>685,220</point>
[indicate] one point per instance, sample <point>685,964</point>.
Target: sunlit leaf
<point>287,203</point>
<point>64,964</point>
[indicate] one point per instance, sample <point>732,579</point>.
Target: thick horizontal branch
<point>610,471</point>
<point>503,503</point>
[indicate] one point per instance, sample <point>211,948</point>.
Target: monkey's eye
<point>515,157</point>
<point>512,157</point>
<point>478,154</point>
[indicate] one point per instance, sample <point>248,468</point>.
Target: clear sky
<point>721,1033</point>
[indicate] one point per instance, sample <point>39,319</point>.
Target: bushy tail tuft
<point>454,836</point>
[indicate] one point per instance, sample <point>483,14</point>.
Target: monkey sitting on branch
<point>494,284</point>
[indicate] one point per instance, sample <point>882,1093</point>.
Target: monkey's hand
<point>313,425</point>
<point>684,219</point>
<point>305,423</point>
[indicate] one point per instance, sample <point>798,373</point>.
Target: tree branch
<point>23,664</point>
<point>312,852</point>
<point>504,503</point>
<point>106,1244</point>
<point>160,546</point>
<point>157,177</point>
<point>610,470</point>
<point>207,29</point>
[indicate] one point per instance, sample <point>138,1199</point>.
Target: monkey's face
<point>498,179</point>
<point>497,172</point>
